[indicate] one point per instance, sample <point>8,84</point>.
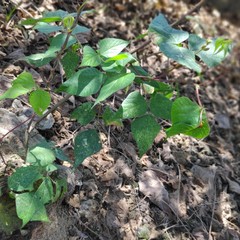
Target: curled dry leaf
<point>151,186</point>
<point>233,186</point>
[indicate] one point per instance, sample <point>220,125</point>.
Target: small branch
<point>54,68</point>
<point>198,96</point>
<point>194,9</point>
<point>147,77</point>
<point>20,124</point>
<point>1,155</point>
<point>183,18</point>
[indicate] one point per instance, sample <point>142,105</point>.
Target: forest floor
<point>197,182</point>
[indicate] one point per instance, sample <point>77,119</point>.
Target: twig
<point>194,9</point>
<point>20,124</point>
<point>198,97</point>
<point>179,219</point>
<point>183,18</point>
<point>1,155</point>
<point>213,208</point>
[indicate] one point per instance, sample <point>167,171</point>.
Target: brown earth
<point>182,188</point>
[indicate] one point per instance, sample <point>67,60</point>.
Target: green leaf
<point>9,221</point>
<point>117,63</point>
<point>56,44</point>
<point>120,56</point>
<point>133,106</point>
<point>161,106</point>
<point>30,208</point>
<point>60,189</point>
<point>83,83</point>
<point>14,92</point>
<point>58,13</point>
<point>39,100</point>
<point>159,87</point>
<point>80,29</point>
<point>68,22</point>
<point>112,118</point>
<point>46,27</point>
<point>112,67</point>
<point>113,84</point>
<point>45,191</point>
<point>41,155</point>
<point>144,130</point>
<point>90,57</point>
<point>110,47</point>
<point>70,62</point>
<point>182,55</point>
<point>188,118</point>
<point>124,61</point>
<point>209,56</point>
<point>222,44</point>
<point>86,144</point>
<point>33,21</point>
<point>60,154</point>
<point>41,59</point>
<point>25,79</point>
<point>24,178</point>
<point>84,113</point>
<point>51,168</point>
<point>165,33</point>
<point>23,84</point>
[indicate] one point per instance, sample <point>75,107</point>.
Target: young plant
<point>102,72</point>
<point>37,184</point>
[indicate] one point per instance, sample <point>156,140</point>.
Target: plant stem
<point>54,68</point>
<point>147,77</point>
<point>198,97</point>
<point>20,124</point>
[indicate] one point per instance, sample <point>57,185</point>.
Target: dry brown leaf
<point>154,189</point>
<point>130,150</point>
<point>74,201</point>
<point>207,177</point>
<point>233,186</point>
<point>109,175</point>
<point>122,168</point>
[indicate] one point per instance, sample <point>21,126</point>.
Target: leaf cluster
<point>100,73</point>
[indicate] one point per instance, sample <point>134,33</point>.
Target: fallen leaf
<point>233,186</point>
<point>153,188</point>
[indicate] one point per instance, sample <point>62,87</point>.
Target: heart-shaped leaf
<point>165,33</point>
<point>144,130</point>
<point>182,55</point>
<point>90,57</point>
<point>86,144</point>
<point>110,47</point>
<point>24,178</point>
<point>188,118</point>
<point>83,83</point>
<point>84,113</point>
<point>208,54</point>
<point>23,84</point>
<point>113,84</point>
<point>161,106</point>
<point>133,106</point>
<point>39,100</point>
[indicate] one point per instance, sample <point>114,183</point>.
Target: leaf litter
<point>182,189</point>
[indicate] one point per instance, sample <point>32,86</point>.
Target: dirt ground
<point>182,188</point>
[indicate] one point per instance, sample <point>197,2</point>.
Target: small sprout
<point>68,22</point>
